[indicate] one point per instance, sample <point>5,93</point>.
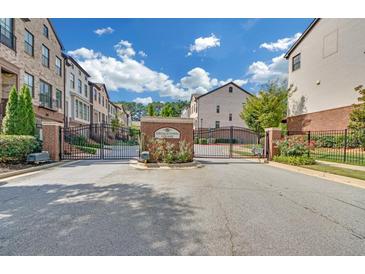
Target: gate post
<point>52,139</point>
<point>272,136</point>
<point>102,140</point>
<point>230,141</point>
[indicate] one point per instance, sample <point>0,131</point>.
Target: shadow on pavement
<point>78,163</point>
<point>84,219</point>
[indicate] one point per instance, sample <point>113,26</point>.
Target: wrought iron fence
<point>99,141</point>
<point>225,142</point>
<point>343,146</point>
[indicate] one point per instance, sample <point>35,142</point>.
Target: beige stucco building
<point>100,101</point>
<point>325,65</point>
<point>220,107</point>
<point>31,54</point>
<point>78,96</point>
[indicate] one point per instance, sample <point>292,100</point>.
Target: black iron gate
<point>99,141</point>
<point>226,142</point>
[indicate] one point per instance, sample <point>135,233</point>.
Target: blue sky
<point>168,59</point>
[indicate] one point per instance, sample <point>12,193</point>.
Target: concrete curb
<point>323,175</point>
<point>32,169</point>
<point>148,166</point>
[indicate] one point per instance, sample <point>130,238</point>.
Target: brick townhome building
<point>325,65</point>
<point>31,54</point>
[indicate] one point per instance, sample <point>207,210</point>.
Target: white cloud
<point>203,43</point>
<point>239,82</point>
<point>142,53</point>
<point>124,49</point>
<point>83,53</point>
<point>281,44</point>
<point>102,31</point>
<point>261,72</point>
<point>129,74</point>
<point>144,101</point>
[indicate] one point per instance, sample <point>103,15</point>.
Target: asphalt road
<point>236,208</point>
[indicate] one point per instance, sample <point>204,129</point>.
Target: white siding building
<point>325,65</point>
<point>77,103</point>
<point>220,107</point>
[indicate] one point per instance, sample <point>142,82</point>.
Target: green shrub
<point>89,150</point>
<point>293,146</point>
<point>295,160</point>
<point>15,148</point>
<point>162,151</point>
<point>203,141</point>
<point>185,152</point>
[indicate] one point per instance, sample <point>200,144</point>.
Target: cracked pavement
<point>228,207</point>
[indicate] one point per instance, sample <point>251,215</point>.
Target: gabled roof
<point>100,86</point>
<point>309,28</point>
<point>209,92</point>
<point>55,33</point>
<point>76,63</point>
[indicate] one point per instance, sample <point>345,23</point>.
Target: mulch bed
<point>12,167</point>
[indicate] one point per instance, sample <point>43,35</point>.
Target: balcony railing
<point>7,38</point>
<point>46,101</point>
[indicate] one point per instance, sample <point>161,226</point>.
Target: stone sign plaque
<point>167,133</point>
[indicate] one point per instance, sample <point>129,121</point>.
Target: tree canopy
<point>267,109</point>
<point>357,116</point>
<point>138,110</point>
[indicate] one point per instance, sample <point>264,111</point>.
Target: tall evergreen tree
<point>22,115</point>
<point>29,115</point>
<point>150,110</point>
<point>11,119</point>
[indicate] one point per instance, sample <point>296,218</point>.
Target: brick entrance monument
<point>173,130</point>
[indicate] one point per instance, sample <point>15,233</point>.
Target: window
<point>230,117</point>
<point>230,89</point>
<point>217,124</point>
<point>79,86</point>
<point>218,109</point>
<point>29,43</point>
<point>77,108</point>
<point>6,32</point>
<point>45,31</point>
<point>45,96</point>
<point>72,80</point>
<point>85,90</point>
<point>45,56</point>
<point>99,99</point>
<point>29,82</point>
<point>95,95</point>
<point>296,62</point>
<point>58,66</point>
<point>59,99</point>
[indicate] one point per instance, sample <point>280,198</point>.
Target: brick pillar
<point>51,140</point>
<point>274,135</point>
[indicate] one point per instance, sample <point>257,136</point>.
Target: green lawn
<point>357,174</point>
<point>337,156</point>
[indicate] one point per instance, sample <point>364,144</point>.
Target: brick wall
<point>331,119</point>
<point>149,125</point>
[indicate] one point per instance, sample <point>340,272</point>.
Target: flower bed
<point>162,151</point>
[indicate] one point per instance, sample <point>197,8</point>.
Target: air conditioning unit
<point>40,157</point>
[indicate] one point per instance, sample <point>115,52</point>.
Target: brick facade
<point>15,62</point>
<point>51,140</point>
<point>149,125</point>
<point>332,119</point>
